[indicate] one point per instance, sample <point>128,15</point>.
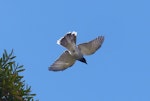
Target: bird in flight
<point>74,52</point>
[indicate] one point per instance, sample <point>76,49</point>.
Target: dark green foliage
<point>12,87</point>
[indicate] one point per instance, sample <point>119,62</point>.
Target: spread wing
<point>92,46</point>
<point>63,62</point>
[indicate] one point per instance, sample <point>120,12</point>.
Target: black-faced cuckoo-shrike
<point>74,52</point>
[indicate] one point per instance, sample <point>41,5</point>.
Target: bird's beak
<point>83,60</point>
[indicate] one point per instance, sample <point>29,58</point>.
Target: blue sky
<point>119,71</point>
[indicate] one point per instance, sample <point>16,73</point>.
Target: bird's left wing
<point>91,46</point>
<point>63,62</point>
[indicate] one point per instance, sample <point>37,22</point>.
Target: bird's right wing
<point>92,46</point>
<point>63,62</point>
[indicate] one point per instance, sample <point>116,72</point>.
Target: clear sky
<point>119,71</point>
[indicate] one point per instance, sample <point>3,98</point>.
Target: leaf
<point>3,82</point>
<point>13,57</point>
<point>21,70</point>
<point>12,85</point>
<point>20,66</point>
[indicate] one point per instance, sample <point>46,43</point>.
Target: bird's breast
<point>76,53</point>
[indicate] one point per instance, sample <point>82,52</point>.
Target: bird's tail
<point>68,40</point>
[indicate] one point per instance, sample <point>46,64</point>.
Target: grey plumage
<point>92,46</point>
<point>63,62</point>
<point>74,52</point>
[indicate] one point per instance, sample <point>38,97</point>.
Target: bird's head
<point>83,60</point>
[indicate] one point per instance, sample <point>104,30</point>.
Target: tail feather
<point>68,40</point>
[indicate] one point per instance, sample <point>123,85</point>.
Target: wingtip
<point>75,33</point>
<point>101,38</point>
<point>54,69</point>
<point>49,68</point>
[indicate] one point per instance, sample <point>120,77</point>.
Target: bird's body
<point>74,52</point>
